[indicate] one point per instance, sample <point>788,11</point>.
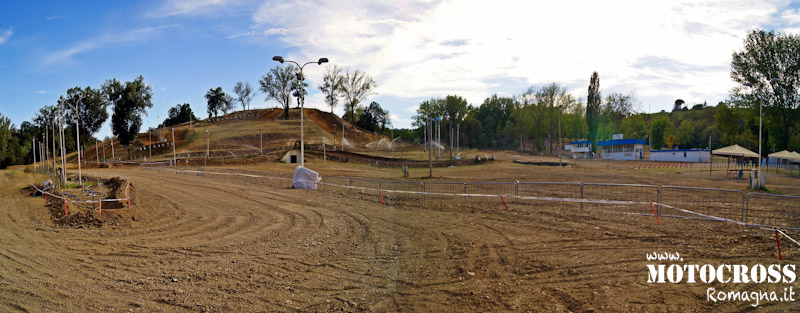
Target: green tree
<point>129,102</point>
<point>767,55</point>
<point>91,108</point>
<point>331,86</point>
<point>373,118</point>
<point>727,123</point>
<point>551,98</point>
<point>180,113</point>
<point>7,142</point>
<point>686,134</point>
<point>633,126</point>
<point>427,110</point>
<point>218,101</point>
<point>660,129</point>
<point>278,84</point>
<point>593,108</point>
<point>493,115</point>
<point>455,108</point>
<point>356,86</point>
<point>244,93</point>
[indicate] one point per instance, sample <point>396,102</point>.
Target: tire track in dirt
<point>235,245</point>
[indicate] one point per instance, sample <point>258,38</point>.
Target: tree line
<point>529,122</point>
<point>81,113</point>
<point>766,70</point>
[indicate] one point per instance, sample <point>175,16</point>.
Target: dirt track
<point>205,244</point>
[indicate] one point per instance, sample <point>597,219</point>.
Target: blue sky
<point>414,50</point>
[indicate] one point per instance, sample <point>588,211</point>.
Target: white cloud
<point>188,7</point>
<point>661,50</point>
<point>41,92</point>
<point>5,35</point>
<point>268,32</point>
<point>108,39</point>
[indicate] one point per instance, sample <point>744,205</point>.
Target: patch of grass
<point>86,183</point>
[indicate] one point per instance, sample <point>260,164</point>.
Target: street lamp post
<point>78,143</point>
<point>772,82</point>
<point>560,107</point>
<point>430,148</point>
<point>33,146</point>
<point>174,159</point>
<point>61,141</point>
<point>302,98</point>
<point>53,130</point>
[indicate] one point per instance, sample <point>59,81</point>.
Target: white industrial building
<point>681,155</point>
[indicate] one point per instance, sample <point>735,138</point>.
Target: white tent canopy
<point>784,155</point>
<point>735,151</point>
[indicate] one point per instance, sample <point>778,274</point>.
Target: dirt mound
<point>79,215</point>
<point>271,114</point>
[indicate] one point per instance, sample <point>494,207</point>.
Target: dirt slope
<point>237,133</point>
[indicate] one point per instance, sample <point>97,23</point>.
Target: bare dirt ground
<point>222,245</point>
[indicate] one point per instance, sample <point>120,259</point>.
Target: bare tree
<point>331,85</point>
<point>244,93</point>
<point>278,84</point>
<point>356,86</point>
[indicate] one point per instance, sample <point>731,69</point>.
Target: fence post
<point>351,184</point>
<point>746,206</point>
<point>581,196</point>
<point>658,199</point>
<point>423,191</point>
<point>516,192</point>
<point>465,192</point>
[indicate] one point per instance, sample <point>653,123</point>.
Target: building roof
<point>619,142</point>
<point>580,141</point>
<point>796,156</point>
<point>679,150</point>
<point>735,150</point>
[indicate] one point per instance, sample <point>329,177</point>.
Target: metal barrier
<point>443,191</point>
<point>675,201</point>
<point>724,203</point>
<point>773,210</point>
<point>541,193</point>
<point>638,196</point>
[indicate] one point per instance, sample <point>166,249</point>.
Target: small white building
<point>681,155</point>
<point>623,149</point>
<point>291,156</point>
<point>580,149</point>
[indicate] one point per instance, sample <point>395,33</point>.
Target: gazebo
<point>735,151</point>
<point>796,157</point>
<point>782,159</point>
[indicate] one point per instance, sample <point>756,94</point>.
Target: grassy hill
<point>236,135</point>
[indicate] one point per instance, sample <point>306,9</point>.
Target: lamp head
<point>322,60</point>
<point>278,58</point>
<point>749,85</point>
<point>774,80</point>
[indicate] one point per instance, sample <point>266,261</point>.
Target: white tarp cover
<point>305,178</point>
